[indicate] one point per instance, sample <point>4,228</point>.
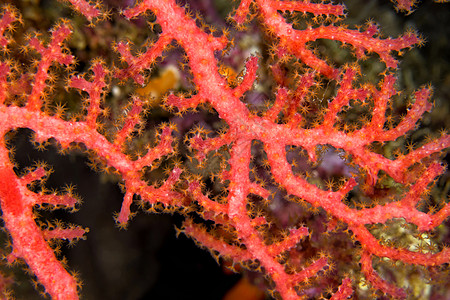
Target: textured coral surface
<point>284,137</point>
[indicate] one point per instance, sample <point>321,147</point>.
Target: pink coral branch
<point>295,41</point>
<point>249,227</point>
<point>86,8</point>
<point>375,279</point>
<point>345,290</point>
<point>49,55</point>
<point>28,239</point>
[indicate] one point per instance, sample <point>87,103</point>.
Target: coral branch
<point>294,188</point>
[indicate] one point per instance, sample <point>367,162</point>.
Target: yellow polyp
<point>156,87</point>
<point>229,73</point>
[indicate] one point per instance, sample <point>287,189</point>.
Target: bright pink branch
<point>243,219</point>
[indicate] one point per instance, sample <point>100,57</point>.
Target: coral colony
<point>274,185</point>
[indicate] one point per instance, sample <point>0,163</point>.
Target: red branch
<point>241,232</point>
